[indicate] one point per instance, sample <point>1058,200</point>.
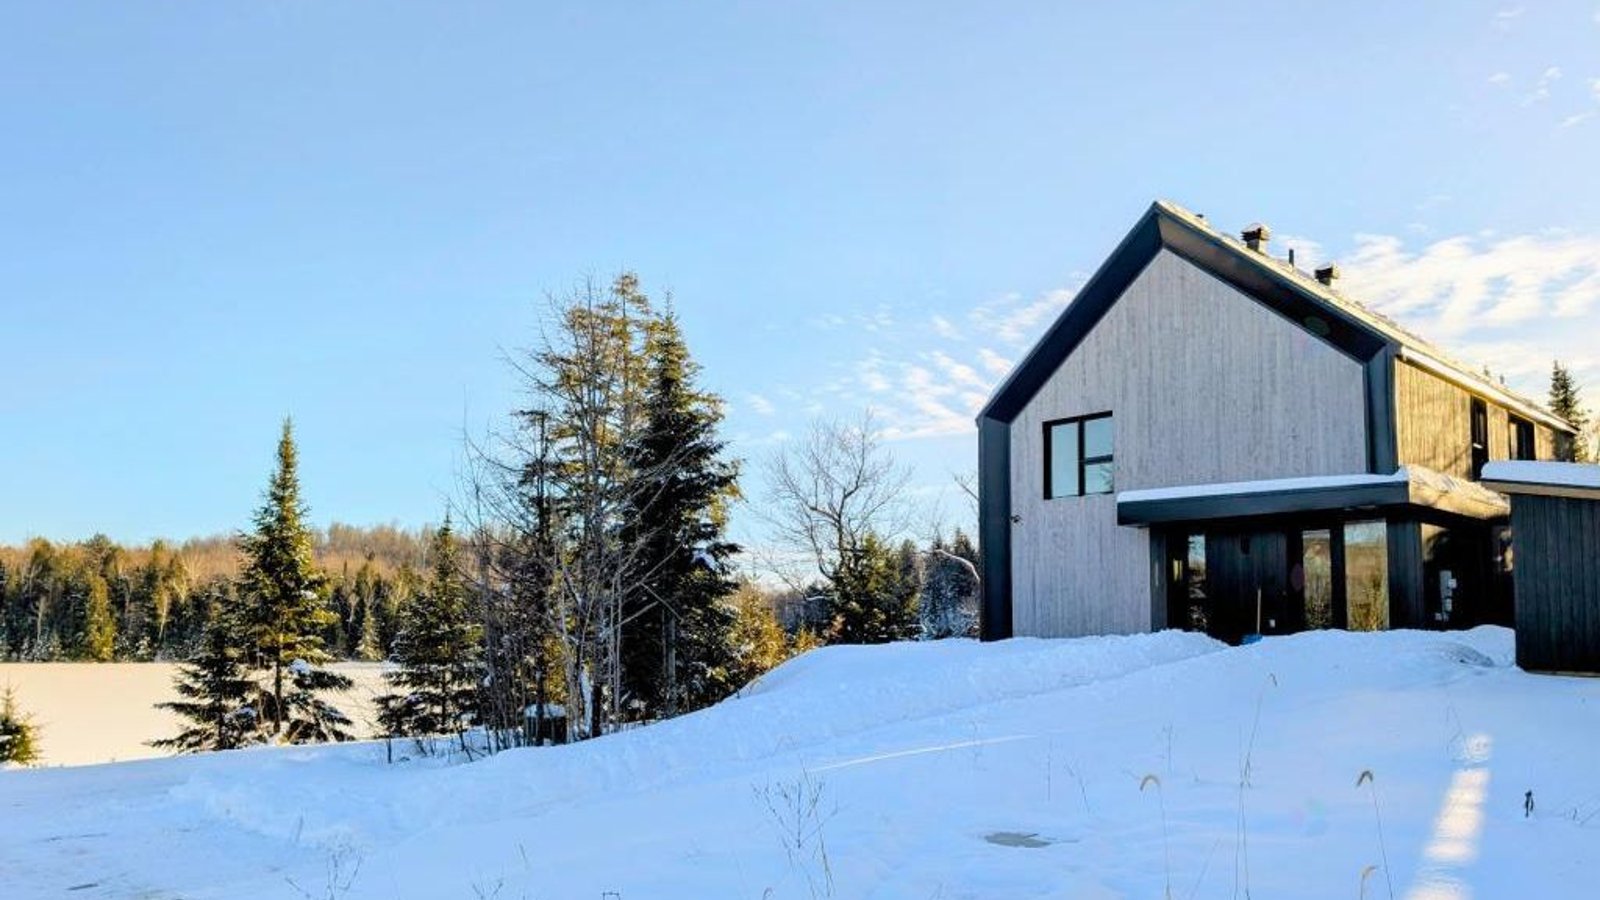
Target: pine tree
<point>1566,403</point>
<point>677,648</point>
<point>284,615</point>
<point>218,692</point>
<point>99,627</point>
<point>437,652</point>
<point>19,737</point>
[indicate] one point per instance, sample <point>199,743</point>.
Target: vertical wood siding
<point>1206,385</point>
<point>1435,426</point>
<point>1557,573</point>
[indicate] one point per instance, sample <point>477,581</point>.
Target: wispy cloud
<point>1577,118</point>
<point>1505,17</point>
<point>1500,78</point>
<point>760,404</point>
<point>1541,88</point>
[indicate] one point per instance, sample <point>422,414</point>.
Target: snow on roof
<point>1267,486</point>
<point>1413,484</point>
<point>1555,478</point>
<point>1413,347</point>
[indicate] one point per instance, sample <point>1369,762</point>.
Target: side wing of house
<point>1440,424</point>
<point>1202,384</point>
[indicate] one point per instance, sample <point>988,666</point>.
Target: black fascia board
<point>1388,495</point>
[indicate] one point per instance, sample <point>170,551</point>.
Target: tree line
<point>102,601</point>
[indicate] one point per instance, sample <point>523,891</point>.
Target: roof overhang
<point>1410,488</point>
<point>1578,481</point>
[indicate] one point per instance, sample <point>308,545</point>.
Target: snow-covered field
<point>104,712</point>
<point>948,770</point>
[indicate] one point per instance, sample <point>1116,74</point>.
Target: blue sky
<point>214,215</point>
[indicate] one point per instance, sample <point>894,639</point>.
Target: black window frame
<point>1520,439</point>
<point>1478,422</point>
<point>1083,461</point>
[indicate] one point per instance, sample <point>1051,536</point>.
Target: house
<point>1210,438</point>
<point>1555,514</point>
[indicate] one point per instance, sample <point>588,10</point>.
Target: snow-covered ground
<point>947,770</point>
<point>105,712</point>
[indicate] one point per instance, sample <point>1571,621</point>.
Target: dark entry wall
<point>1556,544</point>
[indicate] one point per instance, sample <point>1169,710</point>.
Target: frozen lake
<point>105,712</point>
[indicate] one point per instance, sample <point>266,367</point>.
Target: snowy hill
<point>944,770</point>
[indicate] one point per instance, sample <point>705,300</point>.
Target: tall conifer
<point>284,616</point>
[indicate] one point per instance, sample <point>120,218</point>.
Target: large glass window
<point>1521,436</point>
<point>1366,574</point>
<point>1316,563</point>
<point>1078,456</point>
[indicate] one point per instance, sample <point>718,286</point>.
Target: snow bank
<point>951,770</point>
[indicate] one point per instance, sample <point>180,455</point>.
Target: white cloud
<point>1013,320</point>
<point>1504,18</point>
<point>760,404</point>
<point>1577,118</point>
<point>945,328</point>
<point>1500,78</point>
<point>1541,89</point>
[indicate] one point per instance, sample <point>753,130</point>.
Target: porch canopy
<point>1411,487</point>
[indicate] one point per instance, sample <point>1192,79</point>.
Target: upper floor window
<point>1480,437</point>
<point>1078,456</point>
<point>1521,436</point>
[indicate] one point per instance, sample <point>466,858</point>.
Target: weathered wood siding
<point>1434,424</point>
<point>1206,385</point>
<point>1557,572</point>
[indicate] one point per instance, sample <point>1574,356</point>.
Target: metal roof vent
<point>1256,237</point>
<point>1328,274</point>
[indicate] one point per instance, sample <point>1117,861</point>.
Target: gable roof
<point>1324,312</point>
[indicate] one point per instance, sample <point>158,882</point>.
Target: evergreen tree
<point>949,605</point>
<point>99,628</point>
<point>758,640</point>
<point>677,647</point>
<point>19,737</point>
<point>217,690</point>
<point>437,652</point>
<point>873,597</point>
<point>1566,403</point>
<point>284,615</point>
<point>309,719</point>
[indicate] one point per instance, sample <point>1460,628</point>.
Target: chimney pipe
<point>1256,237</point>
<point>1328,274</point>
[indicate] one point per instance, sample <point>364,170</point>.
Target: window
<point>1480,437</point>
<point>1366,573</point>
<point>1077,456</point>
<point>1521,434</point>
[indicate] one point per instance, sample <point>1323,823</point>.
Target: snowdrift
<point>1099,767</point>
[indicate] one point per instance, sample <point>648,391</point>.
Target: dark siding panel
<point>1557,543</point>
<point>994,528</point>
<point>1406,591</point>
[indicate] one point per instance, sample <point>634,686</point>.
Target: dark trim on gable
<point>1082,314</point>
<point>1383,444</point>
<point>1228,264</point>
<point>994,528</point>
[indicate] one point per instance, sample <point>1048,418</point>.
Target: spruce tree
<point>218,691</point>
<point>309,719</point>
<point>284,614</point>
<point>436,651</point>
<point>1566,403</point>
<point>99,627</point>
<point>677,648</point>
<point>19,737</point>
